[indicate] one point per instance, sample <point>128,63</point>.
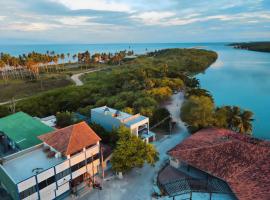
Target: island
<point>253,46</point>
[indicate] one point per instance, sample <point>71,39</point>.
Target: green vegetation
<point>23,88</point>
<point>199,111</point>
<point>253,46</point>
<point>139,85</point>
<point>64,119</point>
<point>131,152</point>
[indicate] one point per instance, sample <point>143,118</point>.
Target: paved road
<point>137,185</point>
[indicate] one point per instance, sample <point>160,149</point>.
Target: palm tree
<point>246,122</point>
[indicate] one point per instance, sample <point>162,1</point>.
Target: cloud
<point>153,18</point>
<point>134,21</point>
<point>102,5</point>
<point>75,21</point>
<point>171,19</point>
<point>29,27</point>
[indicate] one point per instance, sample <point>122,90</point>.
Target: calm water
<point>238,77</point>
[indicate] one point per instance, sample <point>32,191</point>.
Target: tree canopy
<point>131,152</point>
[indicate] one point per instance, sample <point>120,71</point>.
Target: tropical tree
<point>246,122</point>
<point>64,119</point>
<point>197,112</point>
<point>131,152</point>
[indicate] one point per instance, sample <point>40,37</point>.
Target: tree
<point>64,119</point>
<point>234,118</point>
<point>131,152</point>
<point>246,122</point>
<point>198,112</point>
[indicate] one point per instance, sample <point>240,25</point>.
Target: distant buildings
<point>218,161</point>
<point>51,165</point>
<point>110,118</point>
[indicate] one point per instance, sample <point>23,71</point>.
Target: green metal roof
<point>23,129</point>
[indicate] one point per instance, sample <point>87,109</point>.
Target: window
<point>62,174</point>
<point>46,182</point>
<point>95,157</point>
<point>28,192</point>
<point>78,166</point>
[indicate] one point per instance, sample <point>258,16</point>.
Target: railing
<point>188,185</point>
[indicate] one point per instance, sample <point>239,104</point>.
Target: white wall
<point>26,184</point>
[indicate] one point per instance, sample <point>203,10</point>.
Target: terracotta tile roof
<point>243,162</point>
<point>71,139</point>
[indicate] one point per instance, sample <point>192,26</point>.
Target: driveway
<point>137,185</point>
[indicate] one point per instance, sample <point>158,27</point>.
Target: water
<point>239,77</point>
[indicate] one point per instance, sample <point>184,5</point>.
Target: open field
<point>18,89</point>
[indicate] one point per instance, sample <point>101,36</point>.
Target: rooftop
<point>242,161</point>
<point>23,129</point>
<point>29,161</point>
<point>71,139</point>
<point>125,118</point>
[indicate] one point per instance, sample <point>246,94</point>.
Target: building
<point>19,131</point>
<point>49,121</point>
<point>68,159</point>
<point>110,118</point>
<point>220,156</point>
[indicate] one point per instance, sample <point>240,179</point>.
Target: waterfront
<point>239,77</point>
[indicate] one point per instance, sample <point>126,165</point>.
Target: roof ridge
<point>72,128</point>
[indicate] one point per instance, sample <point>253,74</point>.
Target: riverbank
<point>241,78</point>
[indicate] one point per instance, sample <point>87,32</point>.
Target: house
<point>224,161</point>
<point>110,118</point>
<point>68,159</point>
<point>19,131</point>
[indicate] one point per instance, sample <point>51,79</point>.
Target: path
<point>75,78</point>
<point>137,185</point>
<point>8,102</point>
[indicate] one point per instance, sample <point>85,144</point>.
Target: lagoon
<point>239,77</point>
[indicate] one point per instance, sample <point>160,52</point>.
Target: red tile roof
<point>71,139</point>
<point>243,162</point>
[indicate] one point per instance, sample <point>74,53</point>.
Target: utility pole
<point>12,106</point>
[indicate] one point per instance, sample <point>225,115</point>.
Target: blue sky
<point>112,21</point>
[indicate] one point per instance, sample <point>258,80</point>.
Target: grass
<point>20,88</point>
<point>25,88</point>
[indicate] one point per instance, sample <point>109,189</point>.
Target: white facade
<point>110,118</point>
<point>55,181</point>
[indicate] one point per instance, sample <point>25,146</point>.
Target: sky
<point>133,21</point>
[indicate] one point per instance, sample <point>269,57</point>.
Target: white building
<point>67,159</point>
<point>110,118</point>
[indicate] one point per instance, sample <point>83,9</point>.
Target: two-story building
<point>110,118</point>
<point>66,159</point>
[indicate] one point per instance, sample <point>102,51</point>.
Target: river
<point>239,77</point>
